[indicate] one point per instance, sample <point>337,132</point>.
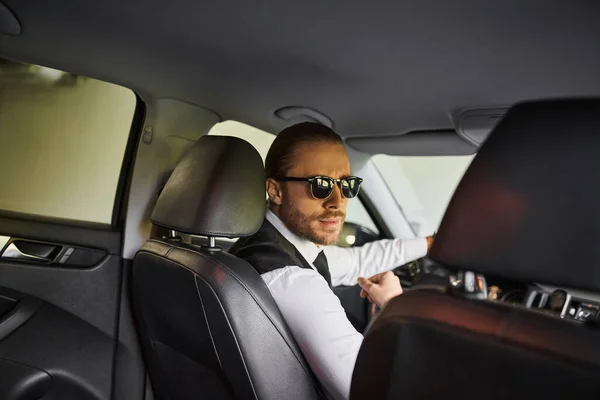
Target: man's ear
<point>274,191</point>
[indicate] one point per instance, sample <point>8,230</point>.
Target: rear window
<point>62,142</point>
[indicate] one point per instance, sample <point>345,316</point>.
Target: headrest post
<point>211,242</point>
<point>172,234</point>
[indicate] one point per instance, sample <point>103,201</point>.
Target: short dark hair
<point>280,156</point>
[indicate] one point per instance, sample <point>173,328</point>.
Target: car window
<point>422,186</point>
<point>62,140</point>
<point>357,214</point>
<point>262,141</point>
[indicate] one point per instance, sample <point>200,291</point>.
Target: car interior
<point>132,143</point>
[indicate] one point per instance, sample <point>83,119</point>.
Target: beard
<point>303,225</point>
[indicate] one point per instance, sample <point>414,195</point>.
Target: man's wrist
<point>389,298</point>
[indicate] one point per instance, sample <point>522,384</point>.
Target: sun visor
<point>423,143</point>
<point>475,125</point>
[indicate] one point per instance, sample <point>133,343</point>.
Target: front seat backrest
<point>526,210</point>
<point>209,326</point>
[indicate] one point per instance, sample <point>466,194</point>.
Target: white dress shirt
<point>314,313</point>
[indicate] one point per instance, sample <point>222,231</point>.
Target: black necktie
<point>322,267</point>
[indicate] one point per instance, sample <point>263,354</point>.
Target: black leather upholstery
<point>525,210</point>
<point>209,326</point>
<point>217,189</point>
<point>526,207</point>
<point>212,330</point>
<point>430,345</point>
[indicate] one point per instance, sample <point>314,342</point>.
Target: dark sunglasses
<point>321,187</point>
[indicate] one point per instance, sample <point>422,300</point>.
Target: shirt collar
<point>308,249</point>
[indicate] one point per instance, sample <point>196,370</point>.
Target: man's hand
<point>430,240</point>
<point>380,288</point>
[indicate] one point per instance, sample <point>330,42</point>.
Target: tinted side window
<point>62,142</point>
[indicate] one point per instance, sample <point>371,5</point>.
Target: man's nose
<point>335,200</point>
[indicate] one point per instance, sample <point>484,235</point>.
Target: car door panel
<point>54,231</point>
<point>23,382</point>
<point>130,379</point>
<point>74,353</point>
<point>66,327</point>
<point>61,319</point>
<point>18,309</point>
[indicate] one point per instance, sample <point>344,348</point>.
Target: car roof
<point>383,68</point>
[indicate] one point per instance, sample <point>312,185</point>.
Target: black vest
<point>268,250</point>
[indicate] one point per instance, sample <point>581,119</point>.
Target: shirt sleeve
<point>347,264</point>
<point>319,325</point>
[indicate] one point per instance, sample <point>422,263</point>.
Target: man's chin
<point>327,239</point>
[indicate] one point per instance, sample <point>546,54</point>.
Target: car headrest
<point>217,189</point>
<point>528,206</point>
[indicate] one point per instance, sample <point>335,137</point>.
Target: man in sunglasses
<point>309,184</point>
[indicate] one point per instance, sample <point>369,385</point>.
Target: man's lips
<point>330,221</point>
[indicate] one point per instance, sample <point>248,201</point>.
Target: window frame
<point>119,213</point>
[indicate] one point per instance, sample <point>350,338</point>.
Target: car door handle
<point>30,251</point>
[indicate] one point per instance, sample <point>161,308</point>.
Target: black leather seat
<point>209,326</point>
<point>526,210</point>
